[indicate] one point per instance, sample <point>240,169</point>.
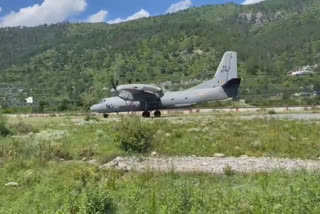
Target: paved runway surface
<point>287,116</point>
<point>287,110</point>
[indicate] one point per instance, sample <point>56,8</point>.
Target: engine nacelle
<point>140,87</point>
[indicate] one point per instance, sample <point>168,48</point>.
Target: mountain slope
<point>77,61</point>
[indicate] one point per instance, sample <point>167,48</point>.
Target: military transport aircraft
<point>147,98</point>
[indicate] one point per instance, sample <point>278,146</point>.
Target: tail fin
<point>227,70</point>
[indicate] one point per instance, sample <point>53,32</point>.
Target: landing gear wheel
<point>105,115</point>
<point>157,114</point>
<point>146,114</point>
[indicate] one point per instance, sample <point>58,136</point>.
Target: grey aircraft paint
<point>140,97</point>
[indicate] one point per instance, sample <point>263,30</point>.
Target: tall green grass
<point>32,154</point>
<point>77,188</point>
<point>74,138</point>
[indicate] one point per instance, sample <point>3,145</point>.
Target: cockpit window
<point>103,100</point>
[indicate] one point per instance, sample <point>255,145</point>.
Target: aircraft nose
<point>93,108</point>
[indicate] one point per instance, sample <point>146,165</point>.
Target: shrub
<point>90,118</point>
<point>60,153</point>
<point>23,128</point>
<point>87,153</point>
<point>90,198</point>
<point>63,105</point>
<point>272,112</point>
<point>134,135</point>
<point>4,130</point>
<point>98,202</point>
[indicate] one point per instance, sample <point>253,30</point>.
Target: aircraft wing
<point>139,94</point>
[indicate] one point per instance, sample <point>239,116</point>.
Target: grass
<point>78,188</point>
<point>173,136</point>
<point>31,156</point>
<point>205,136</point>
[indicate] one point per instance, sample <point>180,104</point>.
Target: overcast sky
<point>37,12</point>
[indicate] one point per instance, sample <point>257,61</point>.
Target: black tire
<point>105,115</point>
<point>146,114</point>
<point>157,114</point>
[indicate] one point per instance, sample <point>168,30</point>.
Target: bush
<point>4,130</point>
<point>89,117</point>
<point>23,128</point>
<point>133,135</point>
<point>98,202</point>
<point>272,112</point>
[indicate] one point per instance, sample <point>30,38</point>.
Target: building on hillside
<point>303,71</point>
<point>302,94</point>
<point>12,96</point>
<point>29,100</point>
<point>316,93</point>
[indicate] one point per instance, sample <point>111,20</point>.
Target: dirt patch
<point>211,164</point>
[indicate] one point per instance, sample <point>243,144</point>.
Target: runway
<point>287,110</point>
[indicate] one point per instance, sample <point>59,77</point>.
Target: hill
<point>75,61</point>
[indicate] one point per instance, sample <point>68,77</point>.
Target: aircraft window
<point>172,99</point>
<point>186,98</point>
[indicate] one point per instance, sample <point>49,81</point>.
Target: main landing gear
<point>105,115</point>
<point>157,114</point>
<point>147,114</point>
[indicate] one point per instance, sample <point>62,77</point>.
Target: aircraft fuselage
<point>170,100</point>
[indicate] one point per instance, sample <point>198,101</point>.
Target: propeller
<point>114,84</point>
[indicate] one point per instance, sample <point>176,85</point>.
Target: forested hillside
<point>75,62</point>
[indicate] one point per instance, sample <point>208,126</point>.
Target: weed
<point>87,153</point>
<point>228,171</point>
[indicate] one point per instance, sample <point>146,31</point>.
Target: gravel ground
<point>214,165</point>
